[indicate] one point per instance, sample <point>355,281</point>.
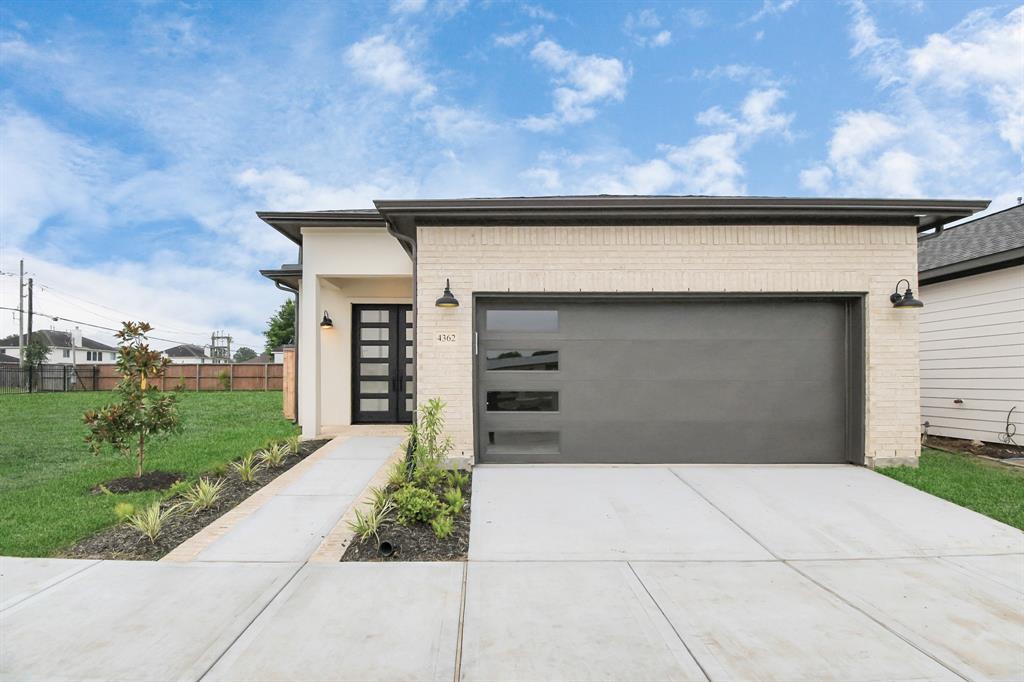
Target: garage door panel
<point>655,442</point>
<point>710,320</point>
<point>720,401</point>
<point>723,380</point>
<point>674,359</point>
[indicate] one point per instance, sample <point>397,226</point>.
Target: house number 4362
<point>446,337</point>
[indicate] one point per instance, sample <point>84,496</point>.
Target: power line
<point>97,326</point>
<point>61,293</point>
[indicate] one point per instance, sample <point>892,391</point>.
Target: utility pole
<point>29,339</point>
<point>29,330</point>
<point>21,315</point>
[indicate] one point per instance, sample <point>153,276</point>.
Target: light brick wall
<point>721,258</point>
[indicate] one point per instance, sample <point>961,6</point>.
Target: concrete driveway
<point>575,573</point>
<point>735,573</point>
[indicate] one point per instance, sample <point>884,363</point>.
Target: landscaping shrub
<point>415,504</point>
<point>150,521</point>
<point>443,526</point>
<point>247,467</point>
<point>274,455</point>
<point>202,494</point>
<point>143,411</point>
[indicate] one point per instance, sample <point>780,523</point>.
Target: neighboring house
<point>66,348</point>
<point>277,355</point>
<point>261,359</point>
<point>188,354</point>
<point>972,327</point>
<point>658,329</point>
<point>8,359</point>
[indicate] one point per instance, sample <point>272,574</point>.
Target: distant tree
<point>281,327</point>
<point>244,353</point>
<point>144,411</point>
<point>36,351</point>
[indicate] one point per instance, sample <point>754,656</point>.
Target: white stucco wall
<point>340,267</point>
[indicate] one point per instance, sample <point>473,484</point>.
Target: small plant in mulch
<point>422,514</point>
<point>143,411</point>
<point>151,532</point>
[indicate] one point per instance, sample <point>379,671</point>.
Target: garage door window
<point>522,401</point>
<point>522,320</point>
<point>522,360</point>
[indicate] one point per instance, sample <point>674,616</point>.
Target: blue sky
<point>138,139</point>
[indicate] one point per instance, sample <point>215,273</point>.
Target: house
<point>261,359</point>
<point>8,359</point>
<point>66,348</point>
<point>972,327</point>
<point>658,328</point>
<point>188,354</point>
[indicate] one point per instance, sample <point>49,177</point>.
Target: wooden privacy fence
<point>192,377</point>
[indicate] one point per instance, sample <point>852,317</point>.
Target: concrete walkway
<point>293,520</point>
<point>583,573</point>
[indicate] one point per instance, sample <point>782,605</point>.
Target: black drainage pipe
<point>386,549</point>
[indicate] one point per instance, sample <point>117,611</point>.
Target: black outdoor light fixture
<point>906,299</point>
<point>327,322</point>
<point>447,299</point>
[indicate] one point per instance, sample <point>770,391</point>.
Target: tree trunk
<point>141,456</point>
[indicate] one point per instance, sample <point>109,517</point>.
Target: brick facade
<point>720,258</point>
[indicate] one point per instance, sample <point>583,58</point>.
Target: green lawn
<point>46,471</point>
<point>989,488</point>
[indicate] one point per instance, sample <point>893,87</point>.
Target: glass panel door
<point>381,364</point>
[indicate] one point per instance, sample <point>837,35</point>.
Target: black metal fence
<point>48,378</point>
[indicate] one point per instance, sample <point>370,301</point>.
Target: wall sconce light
<point>327,322</point>
<point>447,299</point>
<point>906,299</point>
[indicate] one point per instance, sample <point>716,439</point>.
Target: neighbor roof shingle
<point>992,234</point>
<point>55,339</point>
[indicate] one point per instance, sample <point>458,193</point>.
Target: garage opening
<point>630,379</point>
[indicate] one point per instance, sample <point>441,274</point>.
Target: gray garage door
<point>648,381</point>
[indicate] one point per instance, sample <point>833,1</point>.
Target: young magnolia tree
<point>144,410</point>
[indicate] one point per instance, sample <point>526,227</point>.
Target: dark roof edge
<point>290,223</point>
<point>287,276</point>
<point>928,213</point>
<point>974,266</point>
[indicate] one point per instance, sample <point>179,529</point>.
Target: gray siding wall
<point>972,349</point>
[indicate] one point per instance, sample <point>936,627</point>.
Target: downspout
<point>295,341</point>
<point>410,246</point>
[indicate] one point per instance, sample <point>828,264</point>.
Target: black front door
<point>382,339</point>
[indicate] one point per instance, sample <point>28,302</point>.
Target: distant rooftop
<point>56,339</point>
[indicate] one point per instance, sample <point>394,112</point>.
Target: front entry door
<point>382,338</point>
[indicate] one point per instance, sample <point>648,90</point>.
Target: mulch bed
<point>124,542</point>
<point>972,447</point>
<point>151,480</point>
<point>417,542</point>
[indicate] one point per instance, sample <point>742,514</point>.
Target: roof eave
<point>290,223</point>
<point>974,266</point>
<point>926,213</point>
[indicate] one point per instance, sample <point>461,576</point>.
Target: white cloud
<point>644,28</point>
<point>706,164</point>
<point>47,173</point>
<point>537,12</point>
<point>771,8</point>
<point>936,136</point>
<point>581,82</point>
<point>456,124</point>
<point>408,6</point>
<point>383,64</point>
<point>519,37</point>
<point>740,73</point>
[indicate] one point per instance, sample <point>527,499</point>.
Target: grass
<point>46,471</point>
<point>988,488</point>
